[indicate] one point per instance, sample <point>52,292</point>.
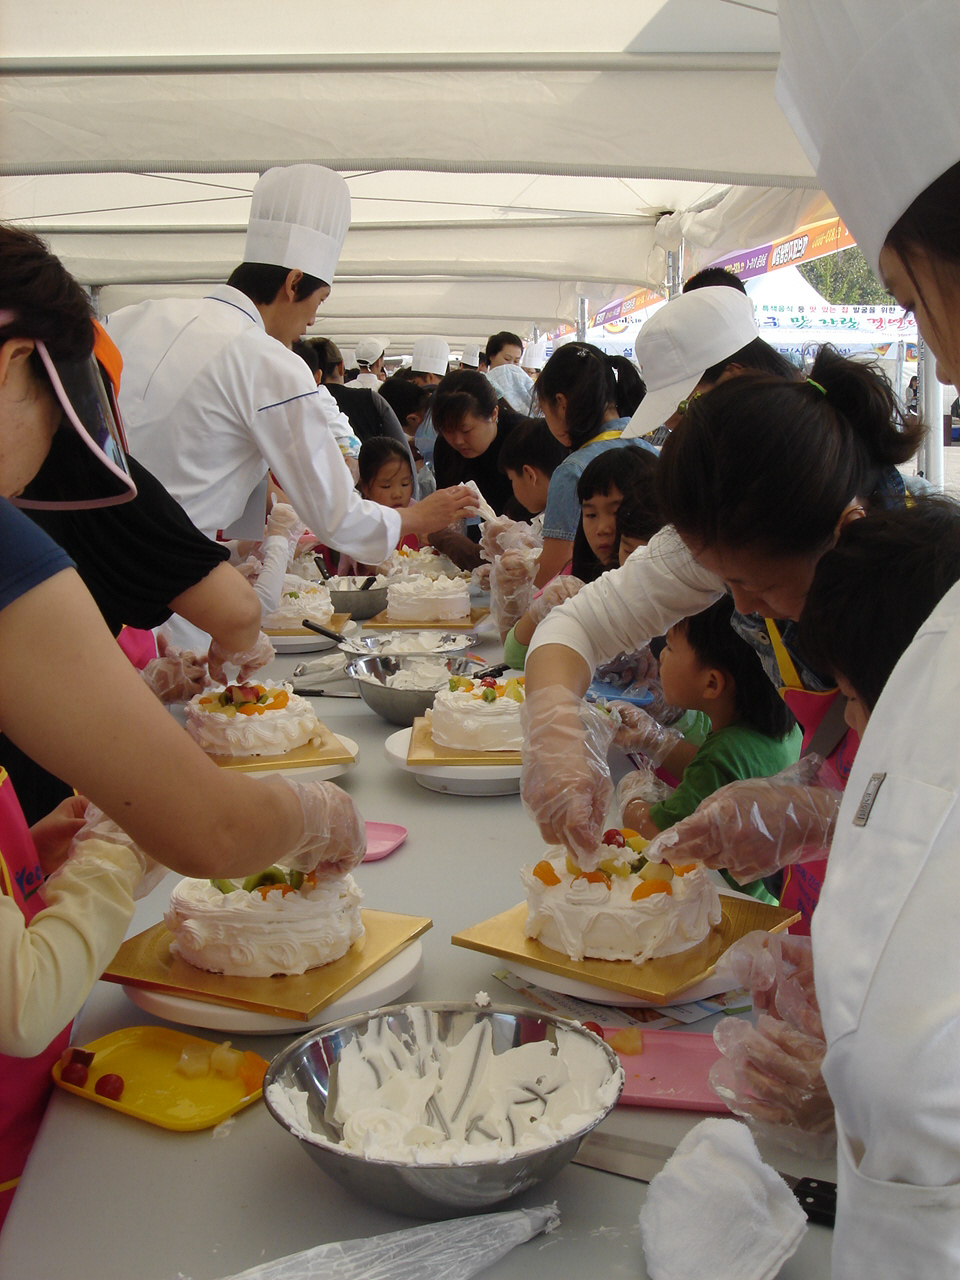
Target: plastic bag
<point>453,1250</point>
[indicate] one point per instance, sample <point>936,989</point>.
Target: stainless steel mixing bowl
<point>401,706</point>
<point>424,1190</point>
<point>359,604</point>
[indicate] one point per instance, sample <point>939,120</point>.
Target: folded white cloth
<point>715,1209</point>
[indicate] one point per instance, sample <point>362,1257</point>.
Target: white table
<point>106,1197</point>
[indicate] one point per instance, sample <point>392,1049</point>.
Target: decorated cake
<point>432,564</point>
<point>277,922</point>
<point>478,715</point>
<point>252,720</point>
<point>628,909</point>
<point>299,599</point>
<point>422,599</point>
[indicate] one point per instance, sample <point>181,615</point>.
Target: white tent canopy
<point>502,161</point>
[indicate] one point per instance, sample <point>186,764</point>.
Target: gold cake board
<point>330,751</point>
<point>658,981</point>
<point>423,750</point>
<point>383,622</point>
<point>147,961</point>
<point>336,623</point>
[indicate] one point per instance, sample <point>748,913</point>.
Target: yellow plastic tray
<point>146,1058</point>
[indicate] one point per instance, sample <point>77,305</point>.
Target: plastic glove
<point>770,1074</point>
<point>627,670</point>
<point>175,676</point>
<point>777,970</point>
<point>334,838</point>
<point>97,826</point>
<point>504,534</point>
<point>754,827</point>
<point>640,732</point>
<point>258,655</point>
<point>480,578</point>
<point>642,786</point>
<point>563,587</point>
<point>565,780</point>
<point>511,588</point>
<point>283,522</point>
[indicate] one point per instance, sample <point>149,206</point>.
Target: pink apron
<point>802,883</point>
<point>25,1083</point>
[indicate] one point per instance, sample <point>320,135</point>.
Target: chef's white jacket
<point>886,943</point>
<point>210,401</point>
<point>366,379</point>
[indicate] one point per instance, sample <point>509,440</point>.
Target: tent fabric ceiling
<point>501,161</point>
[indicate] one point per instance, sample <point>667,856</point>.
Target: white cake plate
<point>457,780</point>
<point>312,643</point>
<point>385,984</point>
<point>321,773</point>
<point>564,986</point>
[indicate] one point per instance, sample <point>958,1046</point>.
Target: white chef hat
<point>299,218</point>
<point>684,339</point>
<point>369,350</point>
<point>534,355</point>
<point>870,89</point>
<point>470,357</point>
<point>430,355</point>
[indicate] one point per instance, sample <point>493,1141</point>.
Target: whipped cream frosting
<point>463,720</point>
<point>299,599</point>
<point>431,599</point>
<point>584,919</point>
<point>423,1101</point>
<point>419,675</point>
<point>269,733</point>
<point>432,564</point>
<point>405,642</point>
<point>252,936</point>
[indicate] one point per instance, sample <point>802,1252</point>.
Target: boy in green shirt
<point>706,666</point>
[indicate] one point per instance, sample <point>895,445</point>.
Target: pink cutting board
<point>383,838</point>
<point>672,1072</point>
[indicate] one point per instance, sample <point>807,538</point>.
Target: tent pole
<point>931,410</point>
<point>674,272</point>
<point>581,318</point>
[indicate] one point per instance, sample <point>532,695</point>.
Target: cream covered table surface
<point>106,1197</point>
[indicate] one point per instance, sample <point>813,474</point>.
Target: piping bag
<point>453,1250</point>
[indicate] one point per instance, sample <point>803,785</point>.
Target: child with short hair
<point>386,478</point>
<point>528,457</point>
<point>706,666</point>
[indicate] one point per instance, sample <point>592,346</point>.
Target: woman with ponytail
<point>755,485</point>
<point>586,398</point>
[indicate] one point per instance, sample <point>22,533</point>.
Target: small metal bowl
<point>359,604</point>
<point>424,1190</point>
<point>401,706</point>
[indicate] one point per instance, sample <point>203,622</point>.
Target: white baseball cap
<point>678,344</point>
<point>369,351</point>
<point>470,356</point>
<point>430,355</point>
<point>870,89</point>
<point>299,217</point>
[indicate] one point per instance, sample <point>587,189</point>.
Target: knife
<point>321,631</point>
<point>325,693</point>
<point>633,1158</point>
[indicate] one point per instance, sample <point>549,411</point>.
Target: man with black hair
<point>711,276</point>
<point>213,398</point>
<point>503,348</point>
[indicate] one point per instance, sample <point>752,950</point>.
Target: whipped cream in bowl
<point>438,1109</point>
<point>402,688</point>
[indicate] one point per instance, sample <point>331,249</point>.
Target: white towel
<point>715,1209</point>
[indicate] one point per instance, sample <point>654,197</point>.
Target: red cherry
<point>488,682</point>
<point>595,1027</point>
<point>74,1073</point>
<point>109,1086</point>
<point>614,837</point>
